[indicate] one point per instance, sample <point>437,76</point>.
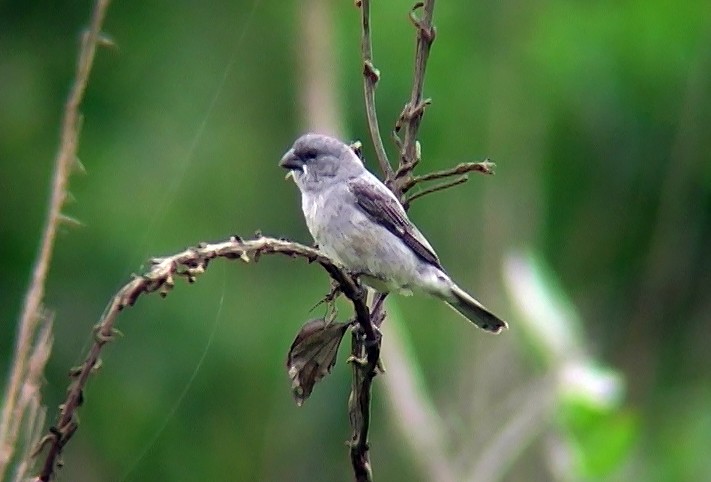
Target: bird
<point>360,224</point>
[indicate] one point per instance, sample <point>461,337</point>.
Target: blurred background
<point>592,239</point>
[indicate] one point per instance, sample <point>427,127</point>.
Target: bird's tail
<point>474,311</point>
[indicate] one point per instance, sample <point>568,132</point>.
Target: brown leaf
<point>312,355</point>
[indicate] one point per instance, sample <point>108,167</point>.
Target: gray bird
<point>361,225</point>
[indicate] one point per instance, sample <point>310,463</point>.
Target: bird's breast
<point>348,236</point>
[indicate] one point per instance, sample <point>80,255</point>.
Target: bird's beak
<point>291,161</point>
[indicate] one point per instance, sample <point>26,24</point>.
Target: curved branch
<point>188,264</point>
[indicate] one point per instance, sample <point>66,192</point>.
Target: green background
<point>597,114</point>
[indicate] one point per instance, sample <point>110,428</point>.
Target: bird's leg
<point>360,360</point>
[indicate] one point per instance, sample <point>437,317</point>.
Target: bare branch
<point>365,362</point>
<point>412,113</point>
<point>371,75</point>
<point>484,167</point>
<point>188,264</point>
<point>437,187</point>
<point>12,413</point>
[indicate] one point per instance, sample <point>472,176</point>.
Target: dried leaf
<point>312,355</point>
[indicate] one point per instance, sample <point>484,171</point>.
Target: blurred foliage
<point>596,113</point>
<point>601,440</point>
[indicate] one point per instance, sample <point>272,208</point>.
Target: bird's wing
<point>383,208</point>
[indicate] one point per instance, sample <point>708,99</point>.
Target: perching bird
<point>361,225</point>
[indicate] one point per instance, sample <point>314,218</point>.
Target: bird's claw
<point>360,361</point>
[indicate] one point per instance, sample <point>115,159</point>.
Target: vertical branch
<point>365,344</point>
<point>365,349</point>
<point>371,75</point>
<point>65,160</point>
<point>320,108</point>
<point>365,359</point>
<point>359,410</point>
<point>411,116</point>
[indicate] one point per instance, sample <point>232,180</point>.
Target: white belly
<point>346,235</point>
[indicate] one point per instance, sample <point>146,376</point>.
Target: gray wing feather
<point>385,210</point>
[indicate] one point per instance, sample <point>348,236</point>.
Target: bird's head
<point>316,161</point>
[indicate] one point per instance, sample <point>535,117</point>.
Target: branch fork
<point>425,29</point>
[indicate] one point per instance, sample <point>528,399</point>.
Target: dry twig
<point>12,413</point>
<point>484,167</point>
<point>437,187</point>
<point>411,116</point>
<point>371,75</point>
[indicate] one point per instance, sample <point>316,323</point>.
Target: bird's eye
<point>306,154</point>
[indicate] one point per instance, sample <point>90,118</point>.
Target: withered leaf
<point>312,355</point>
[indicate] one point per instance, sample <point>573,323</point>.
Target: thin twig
<point>371,75</point>
<point>435,188</point>
<point>65,160</point>
<point>411,116</point>
<point>188,264</point>
<point>484,167</point>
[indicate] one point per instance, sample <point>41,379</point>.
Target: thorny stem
<point>66,159</point>
<point>160,278</point>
